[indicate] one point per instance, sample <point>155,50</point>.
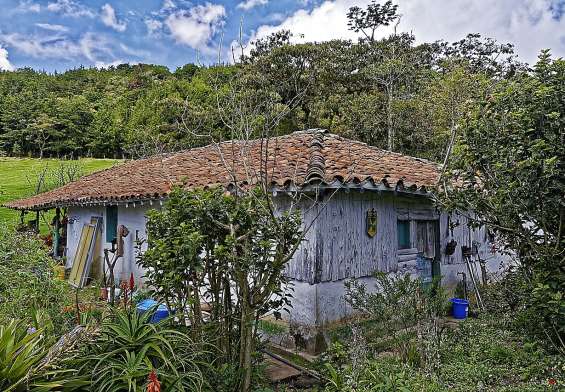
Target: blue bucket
<point>460,308</point>
<point>159,314</point>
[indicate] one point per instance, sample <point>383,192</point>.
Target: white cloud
<point>52,27</point>
<point>276,17</point>
<point>530,24</point>
<point>28,6</point>
<point>325,22</point>
<point>108,16</point>
<point>168,4</point>
<point>153,25</point>
<point>5,64</point>
<point>90,46</point>
<point>42,46</point>
<point>196,27</point>
<point>70,8</point>
<point>248,4</point>
<point>106,65</point>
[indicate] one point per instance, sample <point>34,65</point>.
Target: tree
<point>508,168</point>
<point>484,55</point>
<point>229,250</point>
<point>369,20</point>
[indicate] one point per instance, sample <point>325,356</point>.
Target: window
<point>403,227</point>
<point>426,238</point>
<point>111,223</point>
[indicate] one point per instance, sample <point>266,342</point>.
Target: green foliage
<point>20,352</point>
<point>489,353</point>
<point>26,362</point>
<point>385,375</point>
<point>481,354</point>
<point>509,170</point>
<point>129,347</point>
<point>402,310</point>
<point>231,247</point>
<point>372,89</point>
<point>28,279</point>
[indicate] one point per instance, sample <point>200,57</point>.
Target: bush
<point>20,352</point>
<point>404,311</point>
<point>414,350</point>
<point>379,375</point>
<point>487,353</point>
<point>28,280</point>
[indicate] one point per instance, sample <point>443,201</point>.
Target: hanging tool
<point>464,280</point>
<point>467,253</point>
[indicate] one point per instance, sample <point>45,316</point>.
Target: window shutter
<point>111,223</point>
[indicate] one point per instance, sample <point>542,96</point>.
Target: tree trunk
<point>196,308</point>
<point>246,341</point>
<point>390,128</point>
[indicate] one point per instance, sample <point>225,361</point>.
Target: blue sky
<point>62,34</point>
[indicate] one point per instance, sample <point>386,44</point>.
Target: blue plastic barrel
<point>460,308</point>
<point>159,314</point>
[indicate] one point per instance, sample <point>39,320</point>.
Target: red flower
<point>154,384</point>
<point>131,282</point>
<point>552,381</point>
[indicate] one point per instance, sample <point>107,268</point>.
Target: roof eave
<point>89,203</point>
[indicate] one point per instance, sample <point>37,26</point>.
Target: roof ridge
<point>316,170</point>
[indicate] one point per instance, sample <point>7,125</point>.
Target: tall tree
<point>508,168</point>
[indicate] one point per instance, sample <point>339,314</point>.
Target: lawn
<point>18,174</point>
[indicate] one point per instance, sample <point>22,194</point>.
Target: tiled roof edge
<point>316,171</point>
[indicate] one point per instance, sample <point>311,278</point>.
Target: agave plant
<point>130,347</point>
<point>20,352</point>
<point>27,357</point>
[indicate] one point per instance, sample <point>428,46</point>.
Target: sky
<point>56,35</point>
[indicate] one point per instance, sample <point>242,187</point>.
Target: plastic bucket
<point>159,314</point>
<point>460,308</point>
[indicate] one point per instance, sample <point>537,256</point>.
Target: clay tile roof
<point>300,159</point>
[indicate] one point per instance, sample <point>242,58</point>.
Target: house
<point>368,210</point>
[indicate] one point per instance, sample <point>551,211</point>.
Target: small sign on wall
<point>371,222</point>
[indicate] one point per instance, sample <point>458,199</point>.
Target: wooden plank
<point>81,255</point>
<point>85,253</point>
<point>409,251</point>
<point>404,258</point>
<point>97,261</point>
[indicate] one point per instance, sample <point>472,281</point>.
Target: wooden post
<point>77,305</point>
<point>56,234</point>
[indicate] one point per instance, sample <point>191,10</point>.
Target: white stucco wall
<point>313,304</point>
<point>78,217</point>
<point>133,218</point>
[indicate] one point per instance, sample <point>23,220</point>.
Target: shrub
<point>20,353</point>
<point>379,375</point>
<point>229,250</point>
<point>487,353</point>
<point>28,280</point>
<point>404,311</point>
<point>513,181</point>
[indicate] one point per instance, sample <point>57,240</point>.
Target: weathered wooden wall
<point>338,247</point>
<point>302,265</point>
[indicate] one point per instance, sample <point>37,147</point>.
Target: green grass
<point>18,174</point>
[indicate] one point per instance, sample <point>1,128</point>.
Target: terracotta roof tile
<point>299,158</point>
